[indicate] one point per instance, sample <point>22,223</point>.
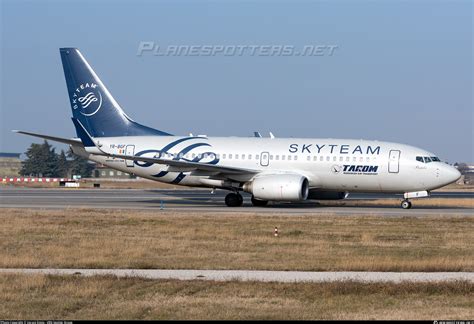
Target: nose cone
<point>449,174</point>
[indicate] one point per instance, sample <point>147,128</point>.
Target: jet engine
<point>280,187</point>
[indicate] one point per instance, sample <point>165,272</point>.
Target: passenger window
<point>315,158</point>
<point>230,156</point>
<point>328,158</point>
<point>289,157</point>
<point>277,157</point>
<point>308,158</point>
<point>296,157</point>
<point>236,156</point>
<point>271,157</point>
<point>257,157</point>
<point>334,158</point>
<point>321,158</point>
<point>243,156</point>
<point>283,157</point>
<point>341,158</point>
<point>250,156</point>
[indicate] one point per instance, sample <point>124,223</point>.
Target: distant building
<point>10,164</point>
<point>467,171</point>
<point>102,171</point>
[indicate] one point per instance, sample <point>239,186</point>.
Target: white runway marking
<point>264,276</point>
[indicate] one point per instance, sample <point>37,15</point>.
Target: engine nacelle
<point>327,195</point>
<point>280,187</point>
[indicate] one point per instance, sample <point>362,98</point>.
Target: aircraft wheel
<point>258,203</point>
<point>234,200</point>
<point>406,204</point>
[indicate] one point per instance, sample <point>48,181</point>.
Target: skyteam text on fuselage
<point>270,169</point>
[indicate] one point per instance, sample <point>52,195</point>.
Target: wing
<point>93,147</point>
<point>182,166</point>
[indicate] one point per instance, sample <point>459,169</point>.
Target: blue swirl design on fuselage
<point>177,157</point>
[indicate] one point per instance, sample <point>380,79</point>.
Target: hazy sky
<point>402,70</point>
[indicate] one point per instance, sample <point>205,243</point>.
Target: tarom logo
<point>87,98</point>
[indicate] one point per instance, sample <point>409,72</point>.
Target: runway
<point>198,200</point>
<point>263,276</point>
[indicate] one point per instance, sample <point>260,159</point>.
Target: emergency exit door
<point>394,161</point>
<point>264,159</point>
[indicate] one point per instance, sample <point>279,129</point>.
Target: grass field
<point>88,238</point>
<point>37,296</point>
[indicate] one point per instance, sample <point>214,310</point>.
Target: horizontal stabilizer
<point>70,141</point>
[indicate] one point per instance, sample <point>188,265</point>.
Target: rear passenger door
<point>129,150</point>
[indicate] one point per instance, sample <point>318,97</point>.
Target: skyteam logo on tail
<point>87,98</point>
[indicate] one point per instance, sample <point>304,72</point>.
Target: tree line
<point>43,161</point>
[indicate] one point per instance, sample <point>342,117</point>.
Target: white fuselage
<point>328,164</point>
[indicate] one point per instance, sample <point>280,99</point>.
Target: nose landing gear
<point>406,204</point>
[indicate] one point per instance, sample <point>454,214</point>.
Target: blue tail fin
<point>92,104</point>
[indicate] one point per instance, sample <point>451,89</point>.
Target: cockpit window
<point>427,159</point>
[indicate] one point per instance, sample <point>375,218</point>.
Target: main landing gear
<point>406,204</point>
<point>234,199</point>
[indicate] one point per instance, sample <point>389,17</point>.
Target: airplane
<point>270,169</point>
